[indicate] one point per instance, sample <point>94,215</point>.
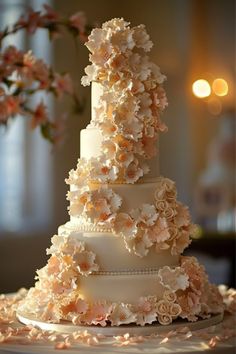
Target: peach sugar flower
<point>97,314</point>
<point>125,225</point>
<point>85,262</point>
<point>121,314</point>
<point>146,310</point>
<point>173,279</point>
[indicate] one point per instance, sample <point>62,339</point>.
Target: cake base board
<point>68,327</point>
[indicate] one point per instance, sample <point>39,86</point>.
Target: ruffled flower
<point>109,149</point>
<point>133,172</point>
<point>122,314</point>
<point>140,244</point>
<point>85,262</point>
<point>190,305</point>
<point>159,232</point>
<point>65,245</point>
<point>104,205</point>
<point>102,170</point>
<point>182,217</point>
<point>75,308</point>
<point>173,279</point>
<point>125,225</point>
<point>146,214</point>
<point>180,242</point>
<point>146,310</point>
<point>97,314</point>
<point>141,38</point>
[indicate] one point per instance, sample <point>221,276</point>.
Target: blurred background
<point>193,40</point>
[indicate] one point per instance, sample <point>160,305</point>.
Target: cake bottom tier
<point>121,287</point>
<point>115,299</point>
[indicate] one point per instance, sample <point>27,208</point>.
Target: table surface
<point>218,339</point>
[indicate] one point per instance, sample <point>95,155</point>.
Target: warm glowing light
<point>220,87</point>
<point>201,88</point>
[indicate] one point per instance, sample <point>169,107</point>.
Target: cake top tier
<point>128,111</point>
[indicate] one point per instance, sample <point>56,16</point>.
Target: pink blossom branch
<point>32,75</point>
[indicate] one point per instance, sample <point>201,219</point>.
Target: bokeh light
<point>220,87</point>
<point>201,88</point>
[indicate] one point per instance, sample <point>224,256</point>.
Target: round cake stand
<point>68,327</point>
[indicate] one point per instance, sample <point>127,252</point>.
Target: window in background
<point>25,158</point>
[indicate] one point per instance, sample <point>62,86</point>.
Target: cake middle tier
<point>113,256</point>
<point>133,196</point>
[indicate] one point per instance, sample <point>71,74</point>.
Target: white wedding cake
<point>118,260</point>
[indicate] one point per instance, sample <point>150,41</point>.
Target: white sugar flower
<point>124,158</point>
<point>91,75</point>
<point>145,102</point>
<point>97,313</point>
<point>173,279</point>
<point>104,204</point>
<point>146,310</point>
<point>140,244</point>
<point>115,25</point>
<point>133,172</point>
<point>85,262</point>
<point>109,149</point>
<point>65,244</point>
<point>156,73</point>
<point>122,314</point>
<point>146,214</point>
<point>183,217</point>
<point>78,177</point>
<point>102,170</point>
<point>131,129</point>
<point>125,225</point>
<point>136,86</point>
<point>123,40</point>
<point>102,54</point>
<point>159,232</point>
<point>79,200</point>
<point>107,128</point>
<point>141,38</point>
<point>144,70</point>
<point>95,39</point>
<point>180,242</point>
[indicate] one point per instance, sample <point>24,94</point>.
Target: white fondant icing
<point>120,288</point>
<point>133,196</point>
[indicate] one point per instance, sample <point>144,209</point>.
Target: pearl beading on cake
<point>151,271</point>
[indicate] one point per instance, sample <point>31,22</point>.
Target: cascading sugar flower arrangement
<point>132,100</point>
<point>118,260</point>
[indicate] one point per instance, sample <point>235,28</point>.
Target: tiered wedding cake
<point>118,260</point>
